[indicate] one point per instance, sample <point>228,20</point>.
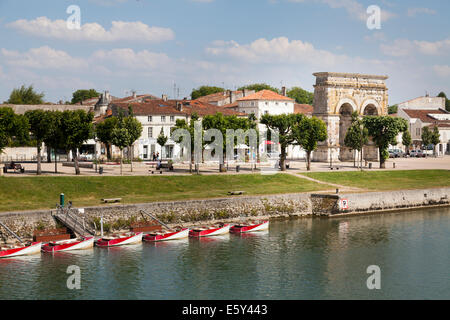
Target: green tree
<point>204,91</point>
<point>25,95</point>
<point>307,133</point>
<point>76,128</point>
<point>393,109</point>
<point>104,131</point>
<point>258,87</point>
<point>427,137</point>
<point>435,138</point>
<point>384,130</point>
<point>357,136</point>
<point>83,94</point>
<point>12,127</point>
<point>447,101</point>
<point>190,127</point>
<point>406,140</point>
<point>55,138</point>
<point>40,123</point>
<point>283,124</point>
<point>301,96</point>
<point>162,139</point>
<point>134,128</point>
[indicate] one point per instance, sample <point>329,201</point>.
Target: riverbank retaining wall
<point>185,213</point>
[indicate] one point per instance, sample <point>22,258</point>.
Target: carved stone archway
<point>335,94</point>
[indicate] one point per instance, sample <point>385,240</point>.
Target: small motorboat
<point>264,225</point>
<point>68,245</point>
<point>208,232</point>
<point>177,235</point>
<point>20,250</point>
<point>120,240</point>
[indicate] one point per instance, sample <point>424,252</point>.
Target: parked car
<point>417,154</point>
<point>391,154</point>
<point>399,153</point>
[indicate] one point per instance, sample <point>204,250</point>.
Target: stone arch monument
<point>336,97</point>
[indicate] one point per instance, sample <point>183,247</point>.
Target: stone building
<point>336,97</point>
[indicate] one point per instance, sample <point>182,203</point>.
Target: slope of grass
<point>27,193</point>
<point>387,180</point>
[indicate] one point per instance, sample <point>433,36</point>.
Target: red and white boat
<point>119,240</point>
<point>20,250</point>
<point>250,228</point>
<point>68,245</point>
<point>177,235</point>
<point>208,232</point>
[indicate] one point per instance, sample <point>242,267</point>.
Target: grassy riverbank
<point>386,180</point>
<point>28,193</point>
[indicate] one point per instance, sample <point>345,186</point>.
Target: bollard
<point>370,165</point>
<point>61,199</point>
<point>238,168</point>
<point>100,170</point>
<point>337,191</point>
<point>394,165</point>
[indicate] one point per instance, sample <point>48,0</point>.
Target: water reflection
<point>295,259</point>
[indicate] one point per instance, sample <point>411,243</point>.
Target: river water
<point>295,259</point>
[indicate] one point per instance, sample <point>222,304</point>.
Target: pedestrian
<point>157,156</point>
<point>153,156</point>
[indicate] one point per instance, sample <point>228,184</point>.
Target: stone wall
<point>118,217</point>
<point>379,201</point>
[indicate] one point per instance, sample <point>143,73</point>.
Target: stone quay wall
<point>120,217</point>
<point>197,212</point>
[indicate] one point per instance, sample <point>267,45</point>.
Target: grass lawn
<point>29,193</point>
<point>387,180</point>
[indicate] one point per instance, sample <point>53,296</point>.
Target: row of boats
<point>128,238</point>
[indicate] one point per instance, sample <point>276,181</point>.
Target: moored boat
<point>208,232</point>
<point>119,240</point>
<point>68,245</point>
<point>177,235</point>
<point>264,225</point>
<point>20,250</point>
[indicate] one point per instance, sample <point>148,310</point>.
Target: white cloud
<point>42,58</point>
<point>120,31</point>
<point>129,59</point>
<point>354,8</point>
<point>442,70</point>
<point>412,12</point>
<point>277,50</point>
<point>405,47</point>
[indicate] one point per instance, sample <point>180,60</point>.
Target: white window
<point>150,132</point>
<point>266,112</point>
<point>163,118</point>
<point>172,118</point>
<point>149,119</point>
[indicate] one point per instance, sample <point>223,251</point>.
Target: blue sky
<point>151,45</point>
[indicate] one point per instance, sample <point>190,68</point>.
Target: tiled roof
<point>215,97</point>
<point>266,95</point>
<point>423,115</point>
<point>203,109</point>
<point>305,109</point>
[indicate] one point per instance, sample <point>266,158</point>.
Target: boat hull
<point>133,239</point>
<point>167,236</point>
<point>252,228</point>
<point>69,246</point>
<point>210,232</point>
<point>34,248</point>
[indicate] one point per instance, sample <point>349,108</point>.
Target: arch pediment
<point>346,100</point>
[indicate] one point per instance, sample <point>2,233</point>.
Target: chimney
<point>134,94</point>
<point>164,97</point>
<point>179,106</point>
<point>244,92</point>
<point>283,91</point>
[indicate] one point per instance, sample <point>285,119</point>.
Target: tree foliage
<point>259,86</point>
<point>162,139</point>
<point>25,95</point>
<point>406,139</point>
<point>307,133</point>
<point>393,109</point>
<point>83,94</point>
<point>41,125</point>
<point>447,101</point>
<point>76,128</point>
<point>384,130</point>
<point>301,96</point>
<point>283,124</point>
<point>204,91</point>
<point>103,131</point>
<point>12,127</point>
